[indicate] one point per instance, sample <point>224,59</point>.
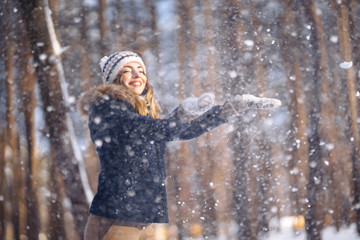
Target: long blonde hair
<point>151,106</point>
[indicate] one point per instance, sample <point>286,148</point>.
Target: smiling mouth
<point>135,84</point>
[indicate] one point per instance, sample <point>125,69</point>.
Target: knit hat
<point>110,66</point>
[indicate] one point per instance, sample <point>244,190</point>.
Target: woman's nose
<point>135,74</point>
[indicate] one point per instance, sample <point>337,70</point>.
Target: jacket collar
<point>105,92</point>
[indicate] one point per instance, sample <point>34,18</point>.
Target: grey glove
<point>193,107</point>
<point>259,102</point>
<point>236,105</point>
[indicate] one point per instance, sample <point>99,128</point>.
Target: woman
<point>130,140</point>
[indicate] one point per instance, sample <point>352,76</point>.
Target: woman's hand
<point>193,107</point>
<point>259,102</point>
<point>236,105</point>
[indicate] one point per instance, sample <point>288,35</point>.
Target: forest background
<point>240,180</point>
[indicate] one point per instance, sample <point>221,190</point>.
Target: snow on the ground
<point>328,233</point>
<point>286,232</point>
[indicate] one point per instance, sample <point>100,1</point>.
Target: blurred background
<point>293,170</point>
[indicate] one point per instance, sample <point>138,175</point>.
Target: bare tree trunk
<point>11,215</point>
<point>138,44</point>
<point>343,147</point>
<point>184,160</point>
<point>103,28</point>
<point>27,86</point>
<point>313,219</point>
<point>56,211</point>
<point>264,160</point>
<point>229,55</point>
<point>2,183</point>
<point>55,112</point>
<point>215,162</point>
<point>121,37</point>
<point>54,6</point>
<point>354,22</point>
<point>346,53</point>
<point>181,96</point>
<point>12,159</point>
<point>241,180</point>
<point>327,120</point>
<point>84,44</point>
<point>193,65</point>
<point>299,162</point>
<point>182,56</point>
<point>154,40</point>
<point>172,189</point>
<point>91,157</point>
<point>3,47</point>
<point>211,77</point>
<point>20,162</point>
<point>204,166</point>
<point>290,162</point>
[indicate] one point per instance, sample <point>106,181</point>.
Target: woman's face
<point>133,77</point>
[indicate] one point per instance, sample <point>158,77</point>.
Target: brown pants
<point>100,228</point>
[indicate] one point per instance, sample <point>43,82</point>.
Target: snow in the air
<point>346,65</point>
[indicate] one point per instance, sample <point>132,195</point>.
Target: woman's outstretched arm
<point>117,118</point>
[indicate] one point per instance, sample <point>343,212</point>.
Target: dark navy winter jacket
<point>131,148</point>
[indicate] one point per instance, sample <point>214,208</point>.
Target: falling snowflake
<point>346,65</point>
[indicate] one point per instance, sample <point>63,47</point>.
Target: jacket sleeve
<point>204,123</point>
<point>117,119</point>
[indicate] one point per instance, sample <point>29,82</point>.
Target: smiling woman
<point>130,140</point>
<point>133,77</point>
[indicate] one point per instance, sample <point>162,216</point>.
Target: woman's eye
<point>126,71</point>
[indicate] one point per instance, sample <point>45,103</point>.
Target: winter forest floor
<point>328,233</point>
<point>286,233</point>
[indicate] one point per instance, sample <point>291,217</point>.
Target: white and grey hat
<point>111,66</point>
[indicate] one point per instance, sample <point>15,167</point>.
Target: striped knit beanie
<point>111,66</point>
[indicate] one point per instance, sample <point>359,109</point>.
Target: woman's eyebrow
<point>132,67</point>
